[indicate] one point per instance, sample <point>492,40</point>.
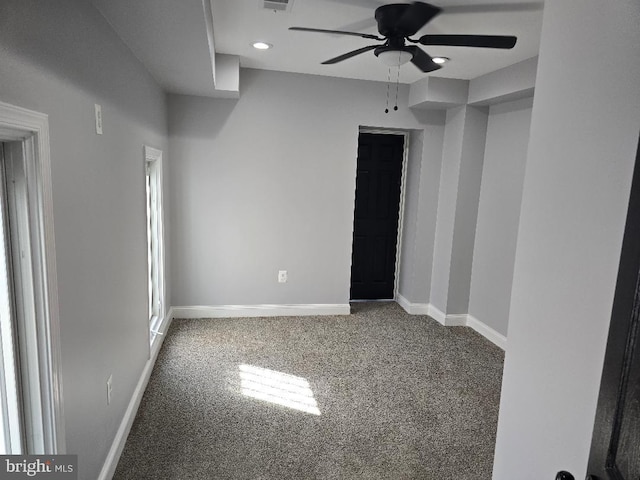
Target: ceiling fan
<point>397,22</point>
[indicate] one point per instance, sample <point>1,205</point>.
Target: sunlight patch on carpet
<point>278,388</point>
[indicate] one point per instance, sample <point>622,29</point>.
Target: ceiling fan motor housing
<point>388,16</point>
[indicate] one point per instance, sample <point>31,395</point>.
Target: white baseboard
<point>412,308</point>
<point>455,320</point>
<point>235,311</point>
<point>487,332</point>
<point>111,462</point>
<point>421,309</point>
<point>404,303</point>
<point>435,313</point>
<point>462,320</point>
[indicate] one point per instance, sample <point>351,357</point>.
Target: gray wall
<point>60,58</point>
<point>267,182</point>
<point>466,214</point>
<point>499,212</point>
<point>421,206</point>
<point>584,134</point>
<point>458,194</point>
<point>406,280</point>
<point>445,218</point>
<point>426,227</point>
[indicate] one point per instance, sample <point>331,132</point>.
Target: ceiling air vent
<point>278,5</point>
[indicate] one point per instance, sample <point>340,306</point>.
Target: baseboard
<point>421,309</point>
<point>455,320</point>
<point>235,311</point>
<point>435,313</point>
<point>412,308</point>
<point>111,462</point>
<point>404,303</point>
<point>462,320</point>
<point>487,332</point>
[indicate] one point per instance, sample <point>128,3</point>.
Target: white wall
<point>267,182</point>
<point>499,212</point>
<point>60,58</point>
<point>584,134</point>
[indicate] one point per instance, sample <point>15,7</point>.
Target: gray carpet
<point>399,397</point>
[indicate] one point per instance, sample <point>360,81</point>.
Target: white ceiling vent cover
<point>278,5</point>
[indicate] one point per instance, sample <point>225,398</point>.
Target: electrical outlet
<point>109,388</point>
<point>282,276</point>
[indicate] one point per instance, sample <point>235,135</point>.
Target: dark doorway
<point>377,207</point>
<point>616,436</point>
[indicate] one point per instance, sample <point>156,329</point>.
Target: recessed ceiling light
<point>440,60</point>
<point>262,45</point>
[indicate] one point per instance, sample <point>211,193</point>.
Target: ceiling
<point>239,23</point>
<point>171,38</point>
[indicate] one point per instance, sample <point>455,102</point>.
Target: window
<point>155,251</point>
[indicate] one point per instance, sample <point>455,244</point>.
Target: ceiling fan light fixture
<point>261,45</point>
<point>395,58</point>
<point>440,60</point>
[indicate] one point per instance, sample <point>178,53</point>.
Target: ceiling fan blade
<point>422,60</point>
<point>360,25</point>
<point>337,32</point>
<point>415,17</point>
<point>485,41</point>
<point>350,54</point>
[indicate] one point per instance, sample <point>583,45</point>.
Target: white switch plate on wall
<point>98,119</point>
<point>109,388</point>
<point>282,276</point>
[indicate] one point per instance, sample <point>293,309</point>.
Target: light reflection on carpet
<point>278,388</point>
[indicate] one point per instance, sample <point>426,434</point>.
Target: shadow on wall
<point>198,117</point>
<point>429,117</point>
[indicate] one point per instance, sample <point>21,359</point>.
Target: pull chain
<point>397,81</point>
<point>386,110</point>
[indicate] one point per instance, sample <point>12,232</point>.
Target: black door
<point>375,230</point>
<point>615,447</point>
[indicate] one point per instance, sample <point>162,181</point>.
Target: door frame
<point>32,129</point>
<point>403,176</point>
<point>622,343</point>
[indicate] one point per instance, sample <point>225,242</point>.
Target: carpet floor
<point>375,395</point>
